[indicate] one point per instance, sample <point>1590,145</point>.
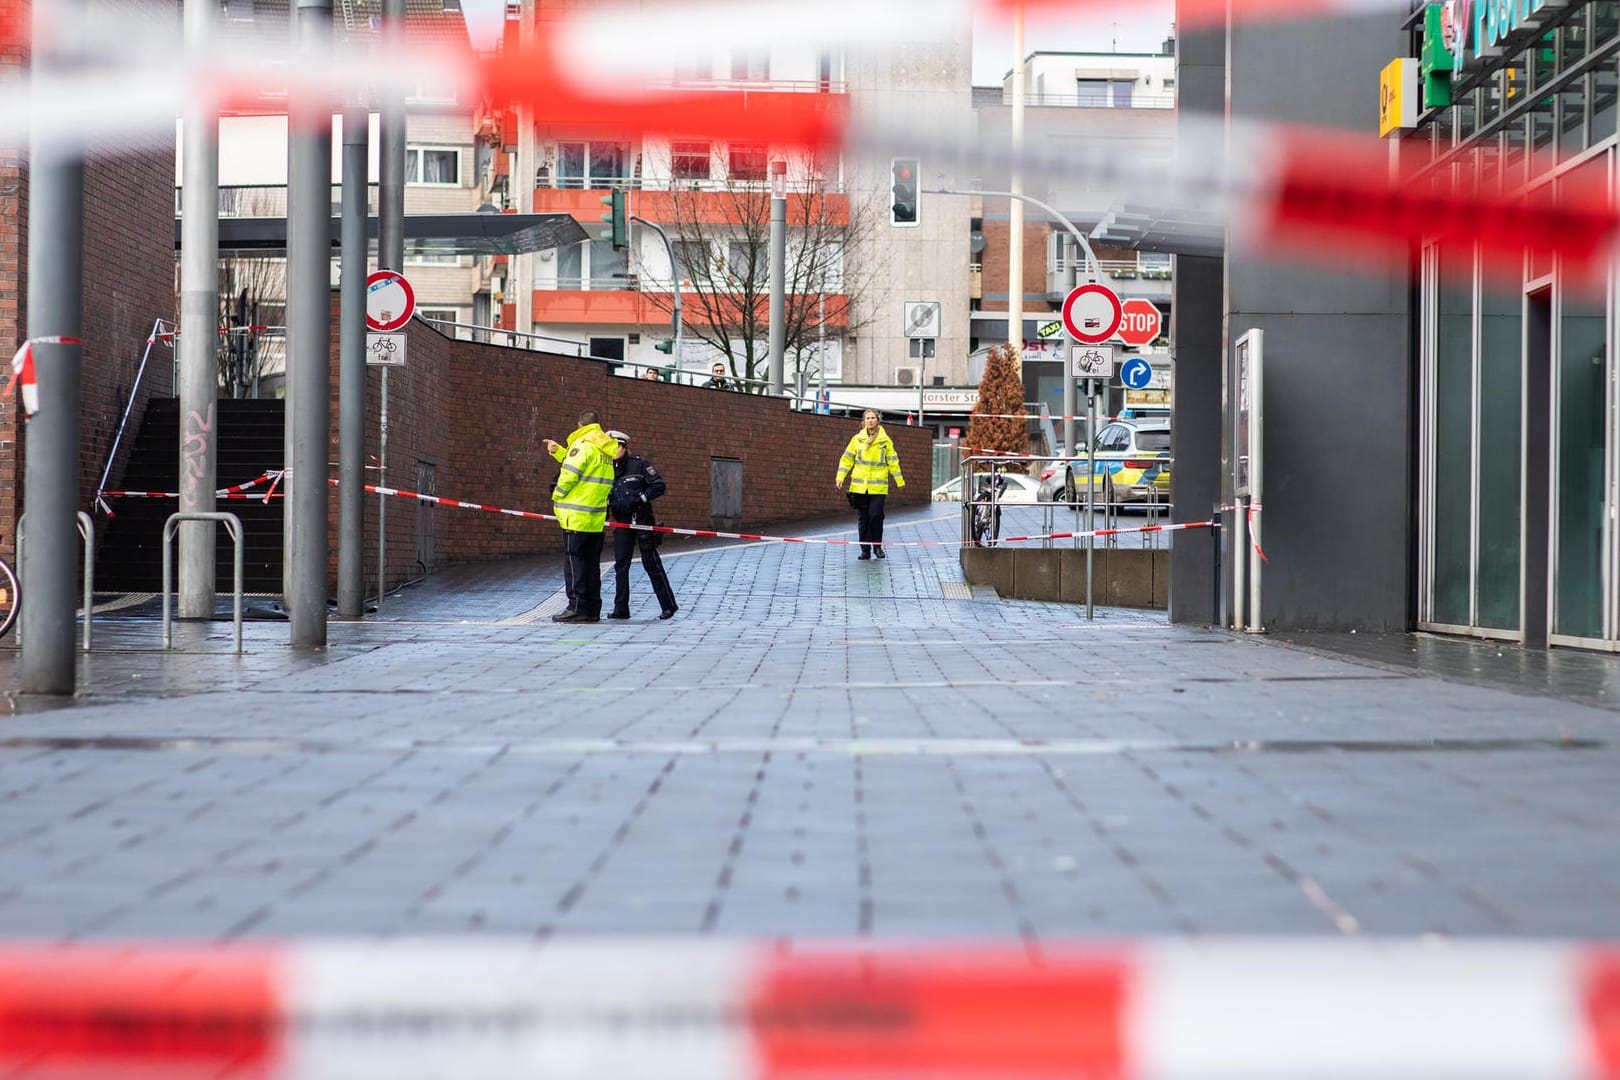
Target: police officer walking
<point>635,485</point>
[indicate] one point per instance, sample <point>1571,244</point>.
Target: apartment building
<point>850,272</point>
<point>446,172</point>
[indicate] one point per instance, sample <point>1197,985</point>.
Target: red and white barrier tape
<point>233,492</point>
<point>724,1009</point>
<point>22,369</point>
<point>535,515</point>
<point>171,335</point>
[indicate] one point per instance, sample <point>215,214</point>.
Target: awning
<point>425,234</point>
<point>1166,229</point>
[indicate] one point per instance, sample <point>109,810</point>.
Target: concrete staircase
<point>250,441</point>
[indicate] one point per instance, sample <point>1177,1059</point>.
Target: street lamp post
<point>778,272</point>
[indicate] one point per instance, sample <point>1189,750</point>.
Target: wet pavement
<point>813,747</point>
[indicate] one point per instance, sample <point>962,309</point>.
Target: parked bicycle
<point>10,598</point>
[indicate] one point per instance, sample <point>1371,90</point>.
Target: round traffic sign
<point>1140,324</point>
<point>1091,313</point>
<point>1136,373</point>
<point>390,301</point>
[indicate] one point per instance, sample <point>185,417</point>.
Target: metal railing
<point>87,533</point>
<point>233,525</point>
<point>983,501</point>
<point>1038,99</point>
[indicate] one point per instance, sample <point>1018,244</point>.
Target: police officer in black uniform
<point>635,485</point>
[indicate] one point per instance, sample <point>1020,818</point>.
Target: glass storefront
<point>1518,377</point>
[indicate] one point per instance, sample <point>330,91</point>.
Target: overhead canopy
<point>1158,228</point>
<point>425,234</point>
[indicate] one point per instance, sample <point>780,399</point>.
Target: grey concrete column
<point>309,339</point>
<point>352,368</point>
<point>778,317</point>
<point>199,320</point>
<point>391,157</point>
<point>390,244</point>
<point>50,570</point>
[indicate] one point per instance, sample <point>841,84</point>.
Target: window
<point>745,262</point>
<point>435,314</point>
<point>433,259</point>
<point>747,161</point>
<point>1092,91</point>
<point>609,269</point>
<point>692,259</point>
<point>751,65</point>
<point>689,160</point>
<point>827,168</point>
<point>689,68</point>
<point>433,165</point>
<point>592,164</point>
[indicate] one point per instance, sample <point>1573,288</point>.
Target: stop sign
<point>1139,324</point>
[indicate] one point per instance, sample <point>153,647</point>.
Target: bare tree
<point>722,241</point>
<point>252,294</point>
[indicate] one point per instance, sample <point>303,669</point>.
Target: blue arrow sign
<point>1136,373</point>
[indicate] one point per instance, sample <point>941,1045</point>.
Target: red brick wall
<point>481,413</point>
<point>128,250</point>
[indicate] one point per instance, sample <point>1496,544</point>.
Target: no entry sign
<point>390,301</point>
<point>1092,313</point>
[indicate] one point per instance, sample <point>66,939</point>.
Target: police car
<point>1133,461</point>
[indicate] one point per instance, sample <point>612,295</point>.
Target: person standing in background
<point>635,485</point>
<point>580,502</point>
<point>869,462</point>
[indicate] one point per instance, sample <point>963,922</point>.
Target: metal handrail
<point>87,532</point>
<point>233,526</point>
<point>118,437</point>
<point>578,346</point>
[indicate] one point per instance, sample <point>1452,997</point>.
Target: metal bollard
<point>233,526</point>
<point>87,532</point>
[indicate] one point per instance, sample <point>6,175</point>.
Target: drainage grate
<point>957,590</point>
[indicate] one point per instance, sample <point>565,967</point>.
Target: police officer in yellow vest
<point>868,462</point>
<point>580,503</point>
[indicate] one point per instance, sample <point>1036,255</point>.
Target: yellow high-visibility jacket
<point>581,496</point>
<point>869,462</point>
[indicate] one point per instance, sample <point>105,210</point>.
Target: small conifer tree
<point>1001,395</point>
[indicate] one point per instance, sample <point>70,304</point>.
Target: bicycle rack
<point>233,526</point>
<point>87,532</point>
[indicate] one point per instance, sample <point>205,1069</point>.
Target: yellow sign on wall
<point>1398,96</point>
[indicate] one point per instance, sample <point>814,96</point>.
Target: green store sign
<point>1449,28</point>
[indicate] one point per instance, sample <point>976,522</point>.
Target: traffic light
<point>618,230</point>
<point>903,192</point>
<point>665,346</point>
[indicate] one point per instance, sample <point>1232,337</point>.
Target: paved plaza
<point>815,747</point>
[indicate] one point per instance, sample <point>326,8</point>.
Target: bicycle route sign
<point>390,301</point>
<point>1091,361</point>
<point>387,350</point>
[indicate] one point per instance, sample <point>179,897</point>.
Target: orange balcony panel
<point>585,205</point>
<point>719,207</point>
<point>507,316</point>
<point>595,308</point>
<point>709,207</point>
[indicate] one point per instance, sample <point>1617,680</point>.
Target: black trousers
<point>625,543</point>
<point>868,517</point>
<point>582,574</point>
